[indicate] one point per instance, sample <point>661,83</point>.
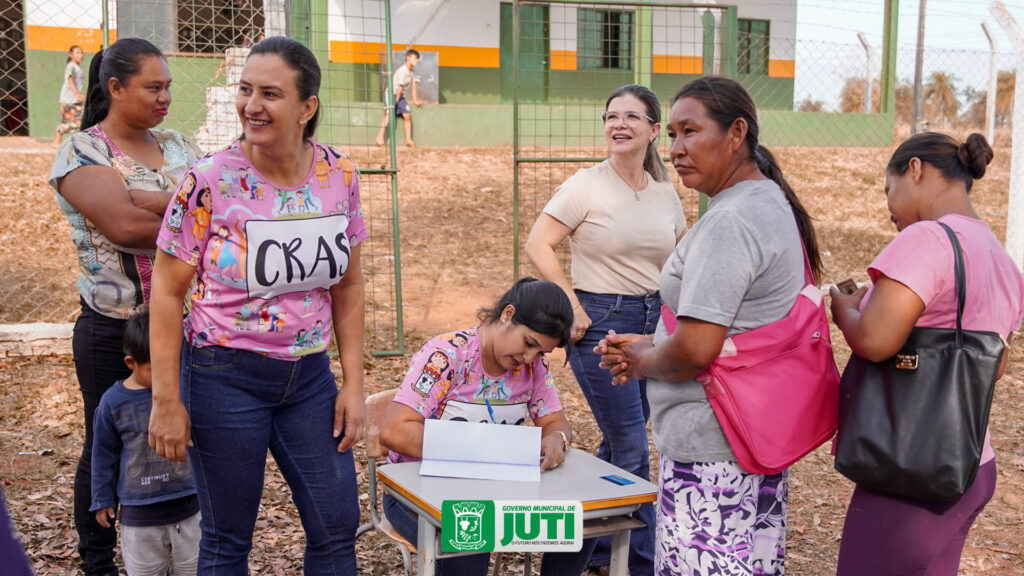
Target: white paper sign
<point>456,449</point>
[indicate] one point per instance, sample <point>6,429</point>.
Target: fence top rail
<point>642,3</point>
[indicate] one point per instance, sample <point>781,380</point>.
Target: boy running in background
<point>402,81</point>
<point>159,507</point>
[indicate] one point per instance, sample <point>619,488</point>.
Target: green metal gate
<point>569,55</point>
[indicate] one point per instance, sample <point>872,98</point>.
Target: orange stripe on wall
<point>664,64</point>
<point>59,39</point>
<point>447,56</point>
<point>563,60</point>
<point>782,68</point>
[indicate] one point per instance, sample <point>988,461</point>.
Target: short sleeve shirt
<point>266,255</point>
<point>741,266</point>
<point>402,78</point>
<point>115,280</point>
<point>446,381</point>
<point>921,258</point>
<point>74,72</point>
<point>620,237</point>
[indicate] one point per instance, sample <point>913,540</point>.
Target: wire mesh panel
<point>570,58</point>
<point>206,43</point>
<point>13,81</point>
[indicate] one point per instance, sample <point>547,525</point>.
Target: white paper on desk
<point>457,449</point>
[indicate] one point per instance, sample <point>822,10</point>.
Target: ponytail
<point>96,104</point>
<point>766,163</point>
<point>653,163</point>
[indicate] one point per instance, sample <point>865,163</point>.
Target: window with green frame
<point>752,53</point>
<point>604,39</point>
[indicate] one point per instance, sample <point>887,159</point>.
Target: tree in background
<point>940,102</point>
<point>974,107</point>
<point>904,102</point>
<point>808,105</point>
<point>851,99</point>
<point>1005,82</point>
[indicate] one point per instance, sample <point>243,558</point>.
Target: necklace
<point>636,189</point>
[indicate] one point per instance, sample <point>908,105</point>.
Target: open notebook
<point>458,449</point>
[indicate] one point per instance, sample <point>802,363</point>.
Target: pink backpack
<point>775,389</point>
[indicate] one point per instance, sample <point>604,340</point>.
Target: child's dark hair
<point>121,60</point>
<point>412,52</point>
<point>72,49</point>
<point>136,337</point>
<point>302,60</point>
<point>539,305</point>
<point>966,162</point>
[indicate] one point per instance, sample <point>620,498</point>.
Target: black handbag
<point>914,425</point>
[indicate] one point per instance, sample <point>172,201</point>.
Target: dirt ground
<point>456,232</point>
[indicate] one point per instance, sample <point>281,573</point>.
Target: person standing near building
<point>622,218</point>
<point>113,181</point>
<point>71,95</point>
<point>403,81</point>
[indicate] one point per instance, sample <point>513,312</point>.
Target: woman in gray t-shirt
<point>741,266</point>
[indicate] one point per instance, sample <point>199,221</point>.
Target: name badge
<point>295,255</point>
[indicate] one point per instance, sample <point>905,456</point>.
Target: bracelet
<point>578,304</point>
<point>565,441</point>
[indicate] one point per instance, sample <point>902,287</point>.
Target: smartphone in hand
<point>847,286</point>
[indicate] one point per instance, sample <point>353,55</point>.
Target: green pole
<point>643,46</point>
<point>515,139</point>
<point>707,21</point>
<point>887,97</point>
<point>106,24</point>
<point>730,41</point>
<point>317,40</point>
<point>399,320</point>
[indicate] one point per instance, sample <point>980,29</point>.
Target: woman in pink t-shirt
<point>927,181</point>
<point>270,228</point>
<point>495,373</point>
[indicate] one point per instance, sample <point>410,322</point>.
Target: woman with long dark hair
<point>114,179</point>
<point>740,267</point>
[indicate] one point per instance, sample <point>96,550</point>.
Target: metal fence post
<point>730,43</point>
<point>867,71</point>
<point>993,75</point>
<point>644,46</point>
<point>1015,204</point>
<point>887,83</point>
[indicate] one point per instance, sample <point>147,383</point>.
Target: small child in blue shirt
<point>159,507</point>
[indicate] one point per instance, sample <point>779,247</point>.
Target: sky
<point>828,50</point>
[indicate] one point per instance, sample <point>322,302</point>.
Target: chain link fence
<point>206,43</point>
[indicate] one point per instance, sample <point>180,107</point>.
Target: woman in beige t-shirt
<point>623,218</point>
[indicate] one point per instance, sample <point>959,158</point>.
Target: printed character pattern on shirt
<point>446,381</point>
<point>266,255</point>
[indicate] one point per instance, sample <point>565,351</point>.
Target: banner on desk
<point>511,526</point>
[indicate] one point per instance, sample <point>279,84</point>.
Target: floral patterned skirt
<point>716,519</point>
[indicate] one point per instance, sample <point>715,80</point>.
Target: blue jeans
<point>241,404</point>
<point>553,564</point>
<point>621,411</point>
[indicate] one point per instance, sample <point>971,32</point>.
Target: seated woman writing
<point>495,372</point>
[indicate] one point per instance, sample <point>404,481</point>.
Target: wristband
<point>565,441</point>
